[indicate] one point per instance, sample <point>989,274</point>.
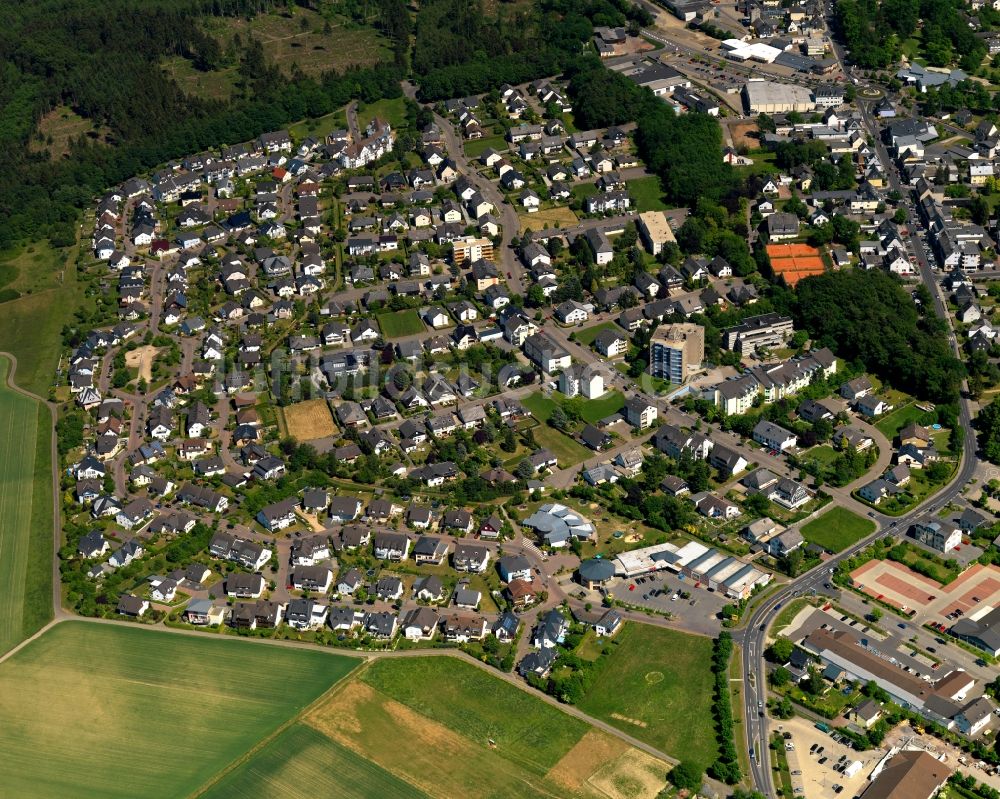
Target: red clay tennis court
<point>795,261</point>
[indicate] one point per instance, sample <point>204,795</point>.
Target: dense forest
<point>874,30</point>
<point>459,51</point>
<point>103,61</point>
<point>682,149</point>
<point>867,317</point>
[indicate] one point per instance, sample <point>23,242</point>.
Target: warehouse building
<point>709,567</point>
<point>770,97</point>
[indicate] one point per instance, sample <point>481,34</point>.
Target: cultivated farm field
<point>302,761</point>
<point>309,420</point>
<point>656,685</point>
<point>403,720</point>
<point>105,711</point>
<point>25,514</point>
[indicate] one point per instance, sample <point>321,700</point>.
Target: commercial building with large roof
<point>738,50</point>
<point>714,569</point>
<point>981,630</point>
<point>771,97</point>
<point>863,662</point>
<point>911,774</point>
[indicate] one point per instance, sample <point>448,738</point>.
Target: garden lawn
<point>596,409</point>
<point>823,454</point>
<point>647,194</point>
<point>392,111</point>
<point>568,451</point>
<point>923,563</point>
<point>656,685</point>
<point>319,127</point>
<point>476,147</point>
<point>397,324</point>
<point>541,407</point>
<point>763,164</point>
<point>105,711</point>
<point>25,514</point>
<point>837,529</point>
<point>586,336</point>
<point>893,422</point>
<point>301,761</point>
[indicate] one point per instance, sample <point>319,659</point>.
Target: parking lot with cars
<point>822,763</point>
<point>694,606</point>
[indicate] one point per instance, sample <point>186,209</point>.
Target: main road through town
<point>754,635</point>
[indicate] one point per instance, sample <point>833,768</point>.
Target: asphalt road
<point>755,634</point>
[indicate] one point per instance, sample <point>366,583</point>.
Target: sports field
<point>837,529</point>
<point>657,686</point>
<point>25,514</point>
<point>396,324</point>
<point>105,711</point>
<point>795,261</point>
<point>309,420</point>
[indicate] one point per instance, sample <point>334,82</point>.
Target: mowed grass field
<point>25,514</point>
<point>837,529</point>
<point>647,194</point>
<point>439,727</point>
<point>567,450</point>
<point>657,686</point>
<point>397,324</point>
<point>559,216</point>
<point>592,411</point>
<point>104,711</point>
<point>309,420</point>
